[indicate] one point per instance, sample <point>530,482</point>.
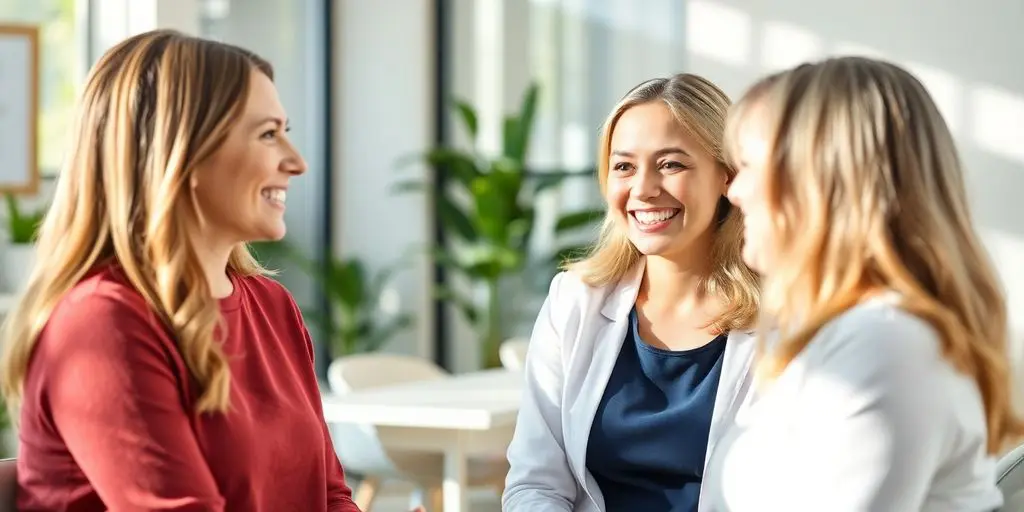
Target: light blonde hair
<point>700,108</point>
<point>154,107</point>
<point>867,194</point>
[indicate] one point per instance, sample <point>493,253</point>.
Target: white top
<point>572,352</point>
<point>475,401</point>
<point>869,417</point>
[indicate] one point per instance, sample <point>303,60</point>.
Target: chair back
<point>512,353</point>
<point>1010,478</point>
<point>367,371</point>
<point>8,485</point>
<point>360,447</point>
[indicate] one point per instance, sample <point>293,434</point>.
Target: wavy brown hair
<point>868,195</point>
<point>701,108</point>
<point>154,107</point>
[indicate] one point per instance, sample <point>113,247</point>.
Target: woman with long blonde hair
<point>641,352</point>
<point>888,388</point>
<point>151,363</point>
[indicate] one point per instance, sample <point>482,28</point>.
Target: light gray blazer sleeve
<point>539,478</point>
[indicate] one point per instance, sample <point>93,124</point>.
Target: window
<point>62,66</point>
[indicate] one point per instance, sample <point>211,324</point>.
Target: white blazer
<point>869,417</point>
<point>573,349</point>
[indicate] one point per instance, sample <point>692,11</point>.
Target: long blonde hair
<point>154,107</point>
<point>867,194</point>
<point>700,108</point>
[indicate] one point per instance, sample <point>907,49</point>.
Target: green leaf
<point>489,261</point>
<point>459,165</point>
<point>492,209</point>
<point>323,322</point>
<point>273,254</point>
<point>466,306</point>
<point>468,115</point>
<point>576,220</point>
<point>569,253</point>
<point>516,129</point>
<point>519,230</point>
<point>22,226</point>
<point>346,282</point>
<point>545,180</point>
<point>454,218</point>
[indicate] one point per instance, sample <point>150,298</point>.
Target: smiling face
<point>242,188</point>
<point>661,183</point>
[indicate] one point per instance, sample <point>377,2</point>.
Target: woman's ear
<point>726,178</point>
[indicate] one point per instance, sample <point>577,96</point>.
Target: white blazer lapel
<point>611,321</point>
<point>734,385</point>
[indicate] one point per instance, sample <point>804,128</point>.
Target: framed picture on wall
<point>19,109</point>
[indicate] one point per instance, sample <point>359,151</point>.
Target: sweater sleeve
<point>113,396</point>
<point>339,495</point>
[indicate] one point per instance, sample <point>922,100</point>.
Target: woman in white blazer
<point>640,354</point>
<point>888,388</point>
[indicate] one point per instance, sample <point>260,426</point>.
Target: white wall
<point>383,112</point>
<point>967,54</point>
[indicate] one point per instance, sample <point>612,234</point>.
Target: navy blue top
<point>648,440</point>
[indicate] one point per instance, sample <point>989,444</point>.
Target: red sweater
<point>107,420</point>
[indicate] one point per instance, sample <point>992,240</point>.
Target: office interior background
<point>369,86</point>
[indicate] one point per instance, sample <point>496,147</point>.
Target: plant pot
<point>18,262</point>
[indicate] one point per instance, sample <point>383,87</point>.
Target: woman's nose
<point>646,184</point>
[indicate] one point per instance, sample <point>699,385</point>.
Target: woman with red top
<point>152,363</point>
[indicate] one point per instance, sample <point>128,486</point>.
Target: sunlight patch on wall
<point>488,36</point>
<point>997,122</point>
<point>785,45</point>
<point>576,144</point>
<point>719,32</point>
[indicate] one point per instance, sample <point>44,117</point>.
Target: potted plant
<point>19,255</point>
<point>362,316</point>
<point>487,211</point>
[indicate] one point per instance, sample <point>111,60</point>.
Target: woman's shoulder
<point>569,285</point>
<point>102,315</point>
<point>880,328</point>
<point>104,294</point>
<point>265,288</point>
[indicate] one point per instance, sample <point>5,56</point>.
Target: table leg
<point>456,495</point>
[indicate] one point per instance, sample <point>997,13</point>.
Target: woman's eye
<point>672,164</point>
<point>269,134</point>
<point>622,166</point>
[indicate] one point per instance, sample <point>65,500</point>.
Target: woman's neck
<point>213,257</point>
<point>672,284</point>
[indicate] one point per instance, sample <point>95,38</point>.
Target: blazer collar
<point>622,298</point>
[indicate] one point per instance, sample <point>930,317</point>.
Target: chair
<point>363,449</point>
<point>512,353</point>
<point>1010,478</point>
<point>8,485</point>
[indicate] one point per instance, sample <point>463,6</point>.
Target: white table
<point>459,416</point>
